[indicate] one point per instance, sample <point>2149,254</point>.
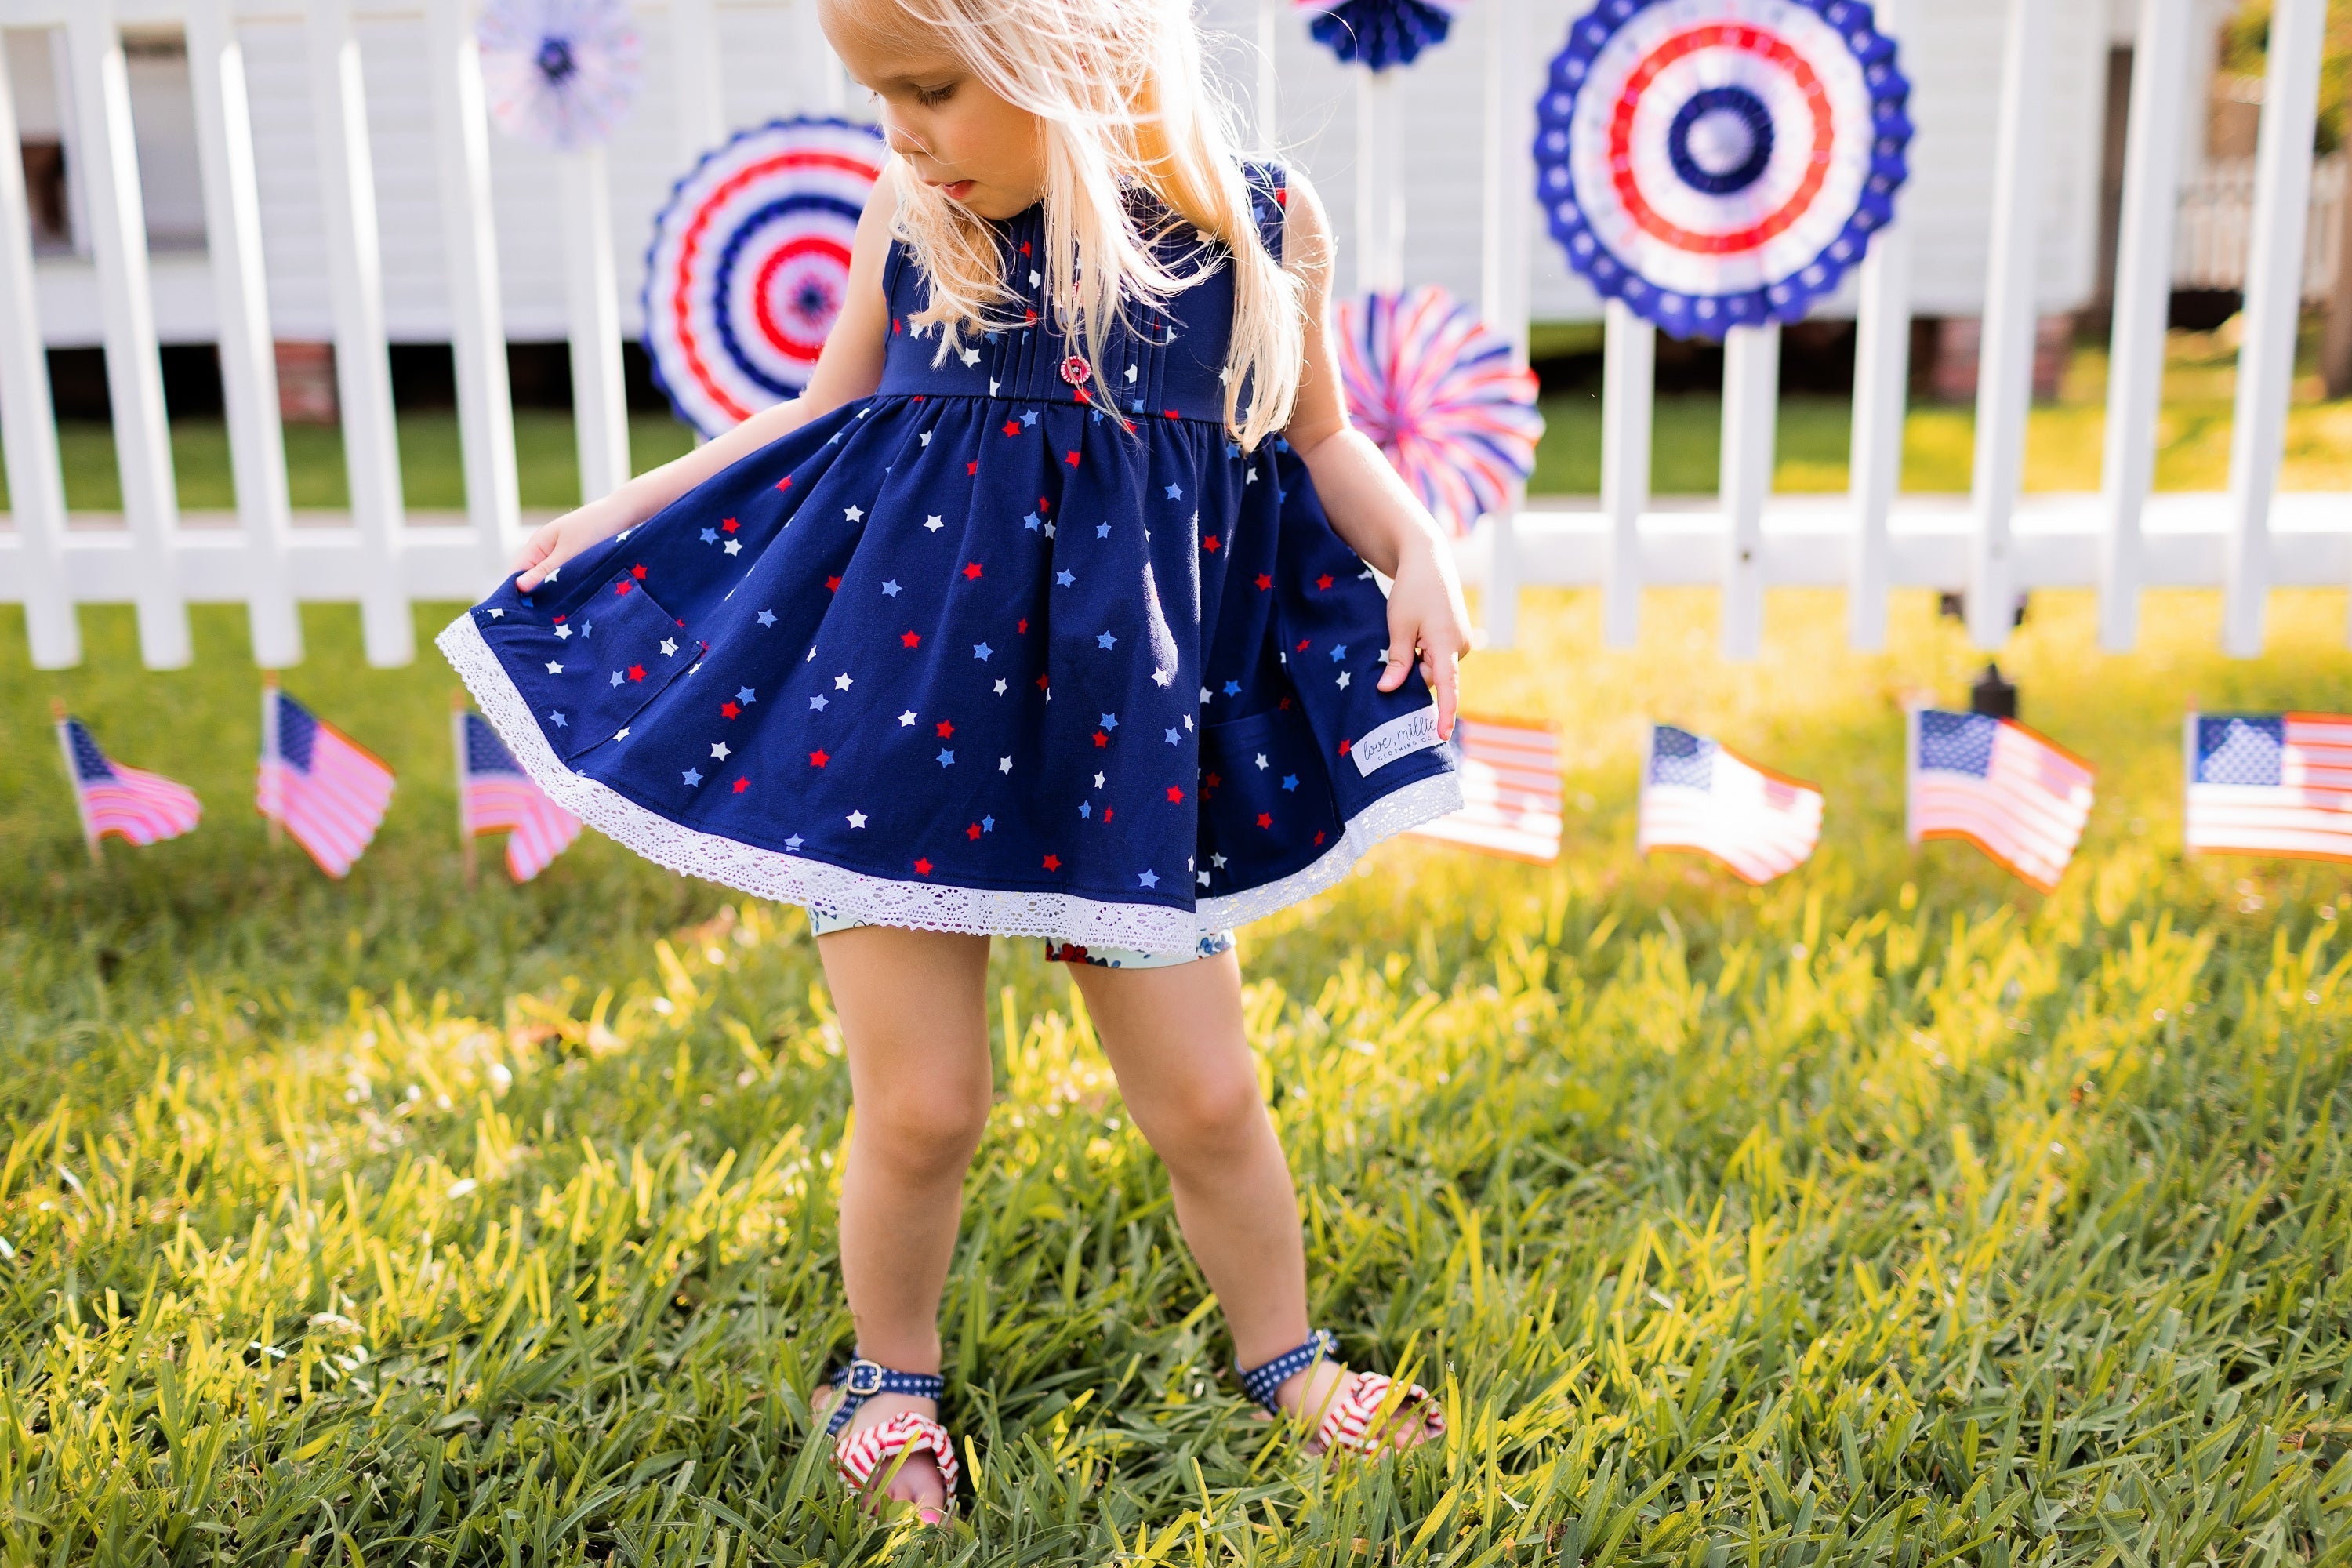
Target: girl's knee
<point>1209,1119</point>
<point>925,1127</point>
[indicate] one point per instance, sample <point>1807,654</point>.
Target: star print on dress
<point>767,617</point>
<point>1106,640</point>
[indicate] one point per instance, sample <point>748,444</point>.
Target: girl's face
<point>951,129</point>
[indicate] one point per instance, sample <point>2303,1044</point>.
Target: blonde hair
<point>1122,102</point>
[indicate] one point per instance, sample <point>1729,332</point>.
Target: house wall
<point>771,66</point>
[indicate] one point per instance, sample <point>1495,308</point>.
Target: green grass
<point>1889,1214</point>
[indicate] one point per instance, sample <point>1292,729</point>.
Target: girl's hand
<point>551,544</point>
<point>1427,616</point>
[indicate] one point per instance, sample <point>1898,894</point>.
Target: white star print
<point>926,437</point>
<point>1162,676</point>
<point>1004,764</point>
<point>554,666</point>
<point>842,682</point>
<point>1343,680</point>
<point>856,819</point>
<point>907,718</point>
<point>852,513</point>
<point>933,524</point>
<point>1000,688</point>
<point>719,750</point>
<point>1188,721</point>
<point>553,576</point>
<point>1205,694</point>
<point>562,633</point>
<point>1261,762</point>
<point>1130,373</point>
<point>498,615</point>
<point>734,547</point>
<point>991,386</point>
<point>970,356</point>
<point>1033,279</point>
<point>1204,878</point>
<point>622,734</point>
<point>668,647</point>
<point>1098,781</point>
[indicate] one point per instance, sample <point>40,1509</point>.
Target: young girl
<point>1048,610</point>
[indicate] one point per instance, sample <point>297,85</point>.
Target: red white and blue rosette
<point>1435,389</point>
<point>750,264</point>
<point>1721,162</point>
<point>558,74</point>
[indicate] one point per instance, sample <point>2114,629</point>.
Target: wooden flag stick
<point>269,748</point>
<point>73,782</point>
<point>465,823</point>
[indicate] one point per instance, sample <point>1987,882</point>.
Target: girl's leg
<point>914,1023</point>
<point>1174,1037</point>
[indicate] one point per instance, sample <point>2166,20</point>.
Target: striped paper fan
<point>1379,33</point>
<point>1435,389</point>
<point>559,74</point>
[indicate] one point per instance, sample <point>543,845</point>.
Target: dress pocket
<point>589,670</point>
<point>1266,808</point>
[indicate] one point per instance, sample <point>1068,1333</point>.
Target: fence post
<point>2143,295</point>
<point>1629,354</point>
<point>135,372</point>
<point>697,79</point>
<point>248,365</point>
<point>28,429</point>
<point>1882,397</point>
<point>2005,354</point>
<point>2274,307</point>
<point>1503,273</point>
<point>1751,395</point>
<point>1267,109</point>
<point>1380,184</point>
<point>363,358</point>
<point>476,319</point>
<point>591,289</point>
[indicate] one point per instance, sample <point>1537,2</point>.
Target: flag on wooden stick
<point>126,802</point>
<point>2269,783</point>
<point>494,795</point>
<point>329,791</point>
<point>1697,794</point>
<point>2015,794</point>
<point>1510,787</point>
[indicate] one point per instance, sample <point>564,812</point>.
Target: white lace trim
<point>883,900</point>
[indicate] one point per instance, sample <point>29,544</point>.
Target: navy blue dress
<point>996,649</point>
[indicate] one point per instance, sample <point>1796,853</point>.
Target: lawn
<point>1891,1214</point>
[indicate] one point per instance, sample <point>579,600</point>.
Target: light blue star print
<point>982,650</point>
<point>709,536</point>
<point>816,703</point>
<point>767,617</point>
<point>1065,577</point>
<point>693,776</point>
<point>1102,531</point>
<point>1172,737</point>
<point>1030,417</point>
<point>1290,781</point>
<point>1147,879</point>
<point>1175,491</point>
<point>1339,653</point>
<point>945,757</point>
<point>1233,689</point>
<point>746,695</point>
<point>1085,808</point>
<point>560,721</point>
<point>890,589</point>
<point>617,677</point>
<point>1033,522</point>
<point>1106,640</point>
<point>793,845</point>
<point>1111,721</point>
<point>988,824</point>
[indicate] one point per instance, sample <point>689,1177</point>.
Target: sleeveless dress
<point>996,649</point>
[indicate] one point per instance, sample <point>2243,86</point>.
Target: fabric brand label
<point>1400,737</point>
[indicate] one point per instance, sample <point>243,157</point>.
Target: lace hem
<point>883,900</point>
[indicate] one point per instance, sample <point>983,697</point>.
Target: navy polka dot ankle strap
<point>861,1380</point>
<point>1260,1382</point>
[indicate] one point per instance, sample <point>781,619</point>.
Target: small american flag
<point>141,807</point>
<point>327,790</point>
<point>1510,789</point>
<point>1999,786</point>
<point>2269,783</point>
<point>1698,794</point>
<point>494,795</point>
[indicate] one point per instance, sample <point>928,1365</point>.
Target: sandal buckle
<point>865,1378</point>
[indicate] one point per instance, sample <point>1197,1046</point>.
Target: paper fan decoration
<point>1721,162</point>
<point>1434,388</point>
<point>1379,33</point>
<point>750,264</point>
<point>558,74</point>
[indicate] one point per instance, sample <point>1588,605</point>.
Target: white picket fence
<point>1994,543</point>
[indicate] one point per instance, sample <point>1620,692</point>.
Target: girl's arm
<point>1368,504</point>
<point>850,367</point>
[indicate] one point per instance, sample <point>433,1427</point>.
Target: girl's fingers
<point>1443,681</point>
<point>1402,640</point>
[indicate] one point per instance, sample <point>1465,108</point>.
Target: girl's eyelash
<point>932,96</point>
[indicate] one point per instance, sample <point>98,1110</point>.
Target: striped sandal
<point>857,1457</point>
<point>1347,1419</point>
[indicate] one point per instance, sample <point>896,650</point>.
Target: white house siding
<point>771,67</point>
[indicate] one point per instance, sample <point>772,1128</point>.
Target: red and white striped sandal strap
<point>1349,1423</point>
<point>869,1448</point>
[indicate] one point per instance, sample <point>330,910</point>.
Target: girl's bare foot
<point>918,1480</point>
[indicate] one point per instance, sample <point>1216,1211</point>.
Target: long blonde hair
<point>1119,91</point>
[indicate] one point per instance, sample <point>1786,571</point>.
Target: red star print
<point>730,526</point>
<point>1041,683</point>
<point>1109,812</point>
<point>922,866</point>
<point>1071,459</point>
<point>637,672</point>
<point>1081,394</point>
<point>729,709</point>
<point>785,483</point>
<point>1284,703</point>
<point>742,785</point>
<point>909,639</point>
<point>970,570</point>
<point>1032,313</point>
<point>1023,627</point>
<point>1266,819</point>
<point>1324,581</point>
<point>817,759</point>
<point>1214,781</point>
<point>971,469</point>
<point>1101,739</point>
<point>1053,862</point>
<point>1025,247</point>
<point>1175,794</point>
<point>1303,644</point>
<point>833,584</point>
<point>973,832</point>
<point>1171,413</point>
<point>1044,506</point>
<point>1012,427</point>
<point>1263,582</point>
<point>1345,746</point>
<point>945,728</point>
<point>638,572</point>
<point>895,327</point>
<point>621,587</point>
<point>1318,835</point>
<point>559,620</point>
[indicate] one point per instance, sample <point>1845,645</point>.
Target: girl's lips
<point>955,190</point>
